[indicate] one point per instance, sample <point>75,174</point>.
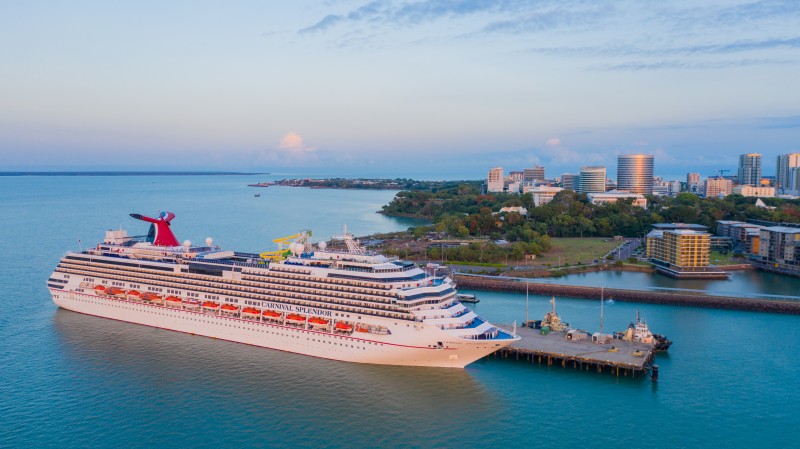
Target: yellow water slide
<point>281,253</point>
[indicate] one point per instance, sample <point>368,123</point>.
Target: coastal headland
<point>677,298</point>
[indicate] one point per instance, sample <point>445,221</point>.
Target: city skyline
<point>354,86</point>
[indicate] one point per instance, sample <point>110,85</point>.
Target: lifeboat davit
<point>230,308</point>
<point>317,321</point>
<point>151,296</point>
<point>295,317</point>
<point>173,299</point>
<point>341,326</point>
<point>251,311</point>
<point>271,314</point>
<point>210,305</point>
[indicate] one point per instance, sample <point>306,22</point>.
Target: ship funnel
<point>159,234</point>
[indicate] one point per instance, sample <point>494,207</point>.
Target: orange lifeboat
<point>100,288</point>
<point>114,291</point>
<point>271,314</point>
<point>173,300</point>
<point>317,321</point>
<point>251,311</point>
<point>362,329</point>
<point>342,326</point>
<point>295,317</point>
<point>151,296</point>
<point>134,293</point>
<point>210,305</point>
<point>230,308</point>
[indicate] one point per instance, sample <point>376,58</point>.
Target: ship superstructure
<point>349,305</point>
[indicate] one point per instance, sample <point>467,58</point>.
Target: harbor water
<point>730,378</point>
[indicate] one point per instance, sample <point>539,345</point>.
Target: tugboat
<point>640,333</point>
<point>551,322</point>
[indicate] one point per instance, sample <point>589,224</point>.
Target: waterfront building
<point>779,250</point>
<point>786,162</point>
<point>718,187</point>
<point>635,173</point>
<point>535,174</point>
<point>748,190</point>
<point>681,253</point>
<point>749,169</point>
<point>542,194</point>
<point>592,179</point>
<point>494,181</point>
<point>743,237</point>
<point>615,195</point>
<point>569,181</point>
<point>516,176</point>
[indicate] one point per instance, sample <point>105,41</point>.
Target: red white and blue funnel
<point>160,234</point>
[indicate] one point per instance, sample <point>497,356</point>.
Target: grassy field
<point>576,250</point>
<point>717,258</point>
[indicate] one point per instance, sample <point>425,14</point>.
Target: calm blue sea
<point>67,380</point>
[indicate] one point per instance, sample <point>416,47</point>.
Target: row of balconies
<point>252,293</point>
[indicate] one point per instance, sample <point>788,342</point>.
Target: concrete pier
<point>555,349</point>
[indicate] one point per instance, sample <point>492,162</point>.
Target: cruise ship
<point>344,304</point>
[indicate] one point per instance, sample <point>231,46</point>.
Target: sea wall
<point>640,296</point>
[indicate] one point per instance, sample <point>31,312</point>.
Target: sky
<point>397,88</point>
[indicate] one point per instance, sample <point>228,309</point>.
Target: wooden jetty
<point>555,349</point>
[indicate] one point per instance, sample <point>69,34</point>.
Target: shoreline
<point>626,295</point>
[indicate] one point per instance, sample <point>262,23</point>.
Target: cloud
<point>291,141</point>
<point>553,142</point>
<point>291,151</point>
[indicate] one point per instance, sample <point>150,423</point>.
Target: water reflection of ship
<point>174,363</point>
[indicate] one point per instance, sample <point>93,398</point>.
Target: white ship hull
<point>410,345</point>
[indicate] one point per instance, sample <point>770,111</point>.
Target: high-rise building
<point>494,181</point>
<point>515,176</point>
<point>681,253</point>
<point>718,187</point>
<point>535,174</point>
<point>750,169</point>
<point>635,173</point>
<point>786,162</point>
<point>693,183</point>
<point>569,181</point>
<point>592,180</point>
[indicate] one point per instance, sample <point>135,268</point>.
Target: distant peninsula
<point>360,184</point>
<point>126,173</point>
